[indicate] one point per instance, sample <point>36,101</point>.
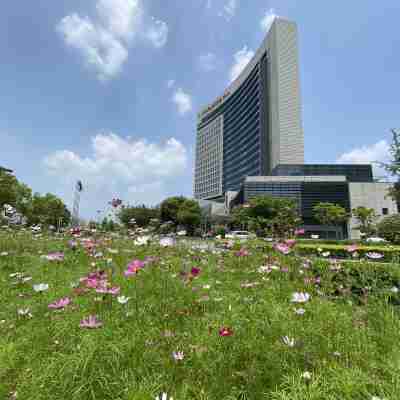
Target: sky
<point>107,91</point>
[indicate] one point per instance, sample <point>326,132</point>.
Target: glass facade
<point>353,172</point>
<point>245,130</point>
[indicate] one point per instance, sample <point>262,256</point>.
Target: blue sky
<point>108,90</point>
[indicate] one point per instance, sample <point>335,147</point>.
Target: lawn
<point>222,324</point>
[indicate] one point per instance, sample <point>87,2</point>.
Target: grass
<point>348,338</point>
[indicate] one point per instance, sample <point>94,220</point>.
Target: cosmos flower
<point>326,254</point>
<point>142,240</point>
<point>290,242</point>
<point>91,322</point>
<point>178,355</point>
<point>298,232</point>
<point>299,311</point>
<point>55,256</point>
<point>300,297</point>
<point>290,342</point>
<point>134,267</point>
<point>225,331</point>
<point>242,253</point>
<point>352,248</point>
<point>4,253</point>
<point>282,248</point>
<point>24,312</point>
<point>60,303</point>
<point>123,299</point>
<point>107,290</point>
<point>41,287</point>
<point>163,396</point>
<point>195,271</point>
<point>374,256</point>
<point>167,242</point>
<point>306,375</point>
<point>394,289</point>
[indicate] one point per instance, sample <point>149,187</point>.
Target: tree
<point>389,228</point>
<point>181,211</point>
<point>393,166</point>
<point>48,210</point>
<point>366,218</point>
<point>189,215</point>
<point>8,188</point>
<point>169,208</point>
<point>330,214</point>
<point>268,215</point>
<point>141,214</point>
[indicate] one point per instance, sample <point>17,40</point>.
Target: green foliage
<point>48,210</point>
<point>389,228</point>
<point>330,214</point>
<point>181,211</point>
<point>366,218</point>
<point>8,189</point>
<point>141,214</point>
<point>278,217</point>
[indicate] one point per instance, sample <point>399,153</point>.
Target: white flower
<point>326,254</point>
<point>142,240</point>
<point>178,355</point>
<point>289,341</point>
<point>306,375</point>
<point>122,299</point>
<point>167,242</point>
<point>206,286</point>
<point>394,289</point>
<point>41,287</point>
<point>24,312</point>
<point>3,254</point>
<point>299,311</point>
<point>300,297</point>
<point>164,396</point>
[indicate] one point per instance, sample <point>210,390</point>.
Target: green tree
<point>366,218</point>
<point>389,228</point>
<point>141,214</point>
<point>48,210</point>
<point>169,208</point>
<point>8,188</point>
<point>330,214</point>
<point>189,215</point>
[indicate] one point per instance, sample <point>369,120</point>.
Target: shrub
<point>389,228</point>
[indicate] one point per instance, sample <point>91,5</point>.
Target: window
<point>385,211</point>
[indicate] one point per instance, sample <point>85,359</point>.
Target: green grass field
<point>232,316</point>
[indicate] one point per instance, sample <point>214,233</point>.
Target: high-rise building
<point>256,124</point>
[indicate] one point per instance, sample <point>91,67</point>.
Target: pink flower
<point>242,253</point>
<point>60,303</point>
<point>290,242</point>
<point>352,248</point>
<point>134,267</point>
<point>298,232</point>
<point>91,322</point>
<point>282,248</point>
<point>178,355</point>
<point>55,257</point>
<point>225,331</point>
<point>104,289</point>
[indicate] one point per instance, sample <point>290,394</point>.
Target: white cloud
<point>242,58</point>
<point>208,62</point>
<point>100,50</point>
<point>230,9</point>
<point>208,4</point>
<point>104,41</point>
<point>157,33</point>
<point>378,152</point>
<point>122,18</point>
<point>268,20</point>
<point>182,100</point>
<point>122,166</point>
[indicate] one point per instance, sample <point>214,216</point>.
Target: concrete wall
<point>370,195</point>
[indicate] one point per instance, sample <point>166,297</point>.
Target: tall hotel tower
<point>256,124</point>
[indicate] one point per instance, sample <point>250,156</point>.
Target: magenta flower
<point>178,355</point>
<point>73,244</point>
<point>282,248</point>
<point>57,305</point>
<point>134,267</point>
<point>91,322</point>
<point>225,331</point>
<point>195,271</point>
<point>298,232</point>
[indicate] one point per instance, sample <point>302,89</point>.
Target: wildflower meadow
<point>104,317</point>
